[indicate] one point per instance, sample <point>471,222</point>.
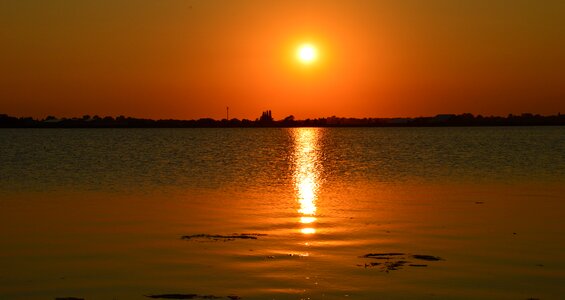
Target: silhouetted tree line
<point>266,120</point>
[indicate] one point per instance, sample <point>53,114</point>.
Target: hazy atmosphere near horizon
<point>188,59</point>
<point>285,150</point>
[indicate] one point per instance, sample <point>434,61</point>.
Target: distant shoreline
<point>266,121</point>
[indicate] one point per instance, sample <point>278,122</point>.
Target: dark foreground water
<point>365,213</point>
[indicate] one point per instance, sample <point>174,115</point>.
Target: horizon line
<point>96,116</point>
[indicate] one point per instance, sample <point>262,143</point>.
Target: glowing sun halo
<point>307,53</point>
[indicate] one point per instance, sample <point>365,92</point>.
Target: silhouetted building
<point>266,116</point>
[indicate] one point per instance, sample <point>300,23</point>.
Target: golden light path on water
<point>306,175</point>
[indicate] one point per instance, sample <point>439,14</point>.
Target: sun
<point>307,53</point>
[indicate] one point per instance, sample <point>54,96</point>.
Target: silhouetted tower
<point>227,113</point>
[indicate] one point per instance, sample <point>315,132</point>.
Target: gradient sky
<point>190,59</point>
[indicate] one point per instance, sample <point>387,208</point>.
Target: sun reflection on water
<point>307,220</point>
<point>306,175</point>
<point>308,230</point>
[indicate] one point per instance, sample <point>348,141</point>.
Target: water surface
<point>99,213</point>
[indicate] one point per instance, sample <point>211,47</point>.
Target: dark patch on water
<point>69,298</point>
<point>382,255</point>
<point>396,260</point>
<point>386,266</point>
<point>426,257</point>
<point>225,238</point>
<point>285,256</point>
<point>393,265</point>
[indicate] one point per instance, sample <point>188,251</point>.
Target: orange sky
<point>190,59</point>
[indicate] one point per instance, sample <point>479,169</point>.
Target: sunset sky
<point>190,59</point>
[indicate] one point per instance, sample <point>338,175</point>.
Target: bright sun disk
<point>307,53</point>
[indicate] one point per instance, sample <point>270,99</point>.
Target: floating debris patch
<point>426,257</point>
<point>383,255</point>
<point>393,265</point>
<point>369,265</point>
<point>225,238</point>
<point>417,265</point>
<point>393,261</point>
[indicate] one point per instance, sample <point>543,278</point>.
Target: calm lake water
<point>447,213</point>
